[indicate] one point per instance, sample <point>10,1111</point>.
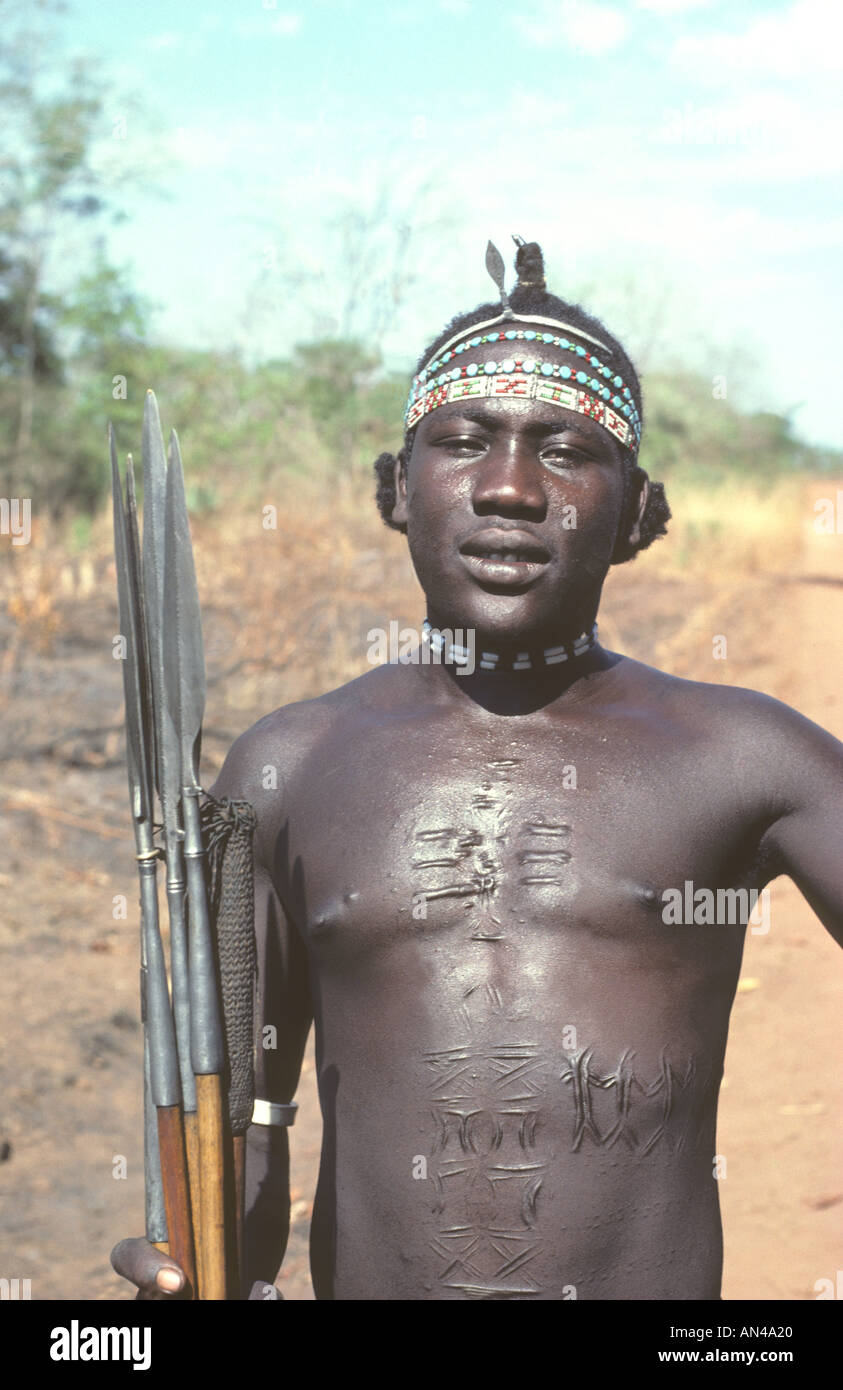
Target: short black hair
<point>531,297</point>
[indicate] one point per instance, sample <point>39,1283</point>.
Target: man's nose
<point>509,479</point>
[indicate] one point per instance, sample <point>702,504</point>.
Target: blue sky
<point>679,160</point>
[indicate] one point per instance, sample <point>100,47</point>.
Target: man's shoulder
<point>280,743</point>
<point>730,711</point>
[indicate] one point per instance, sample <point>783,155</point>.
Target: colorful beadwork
<point>526,335</point>
<point>611,386</point>
<point>477,328</point>
<point>610,391</point>
<point>527,378</point>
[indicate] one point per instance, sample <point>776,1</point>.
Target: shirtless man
<point>463,873</point>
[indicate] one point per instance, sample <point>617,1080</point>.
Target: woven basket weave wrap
<point>228,829</point>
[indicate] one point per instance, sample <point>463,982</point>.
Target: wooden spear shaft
<point>164,1156</point>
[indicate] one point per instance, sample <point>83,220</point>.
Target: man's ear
<point>643,495</point>
<point>399,511</point>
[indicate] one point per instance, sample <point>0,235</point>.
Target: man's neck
<point>513,693</point>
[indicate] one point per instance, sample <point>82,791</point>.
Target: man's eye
<point>562,456</point>
<point>463,444</point>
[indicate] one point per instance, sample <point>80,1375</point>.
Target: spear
<point>167,1204</point>
<point>184,675</point>
<point>166,778</point>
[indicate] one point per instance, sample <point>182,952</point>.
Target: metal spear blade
<point>133,556</point>
<point>495,266</point>
<point>184,653</point>
<point>137,753</point>
<point>167,752</point>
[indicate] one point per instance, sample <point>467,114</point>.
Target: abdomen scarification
<point>667,1106</point>
<point>487,1168</point>
<point>504,1116</point>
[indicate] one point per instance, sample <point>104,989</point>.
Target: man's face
<point>512,510</point>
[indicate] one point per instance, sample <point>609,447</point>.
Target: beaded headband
<point>442,353</point>
<point>607,401</point>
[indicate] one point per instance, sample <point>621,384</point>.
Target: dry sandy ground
<point>70,1058</point>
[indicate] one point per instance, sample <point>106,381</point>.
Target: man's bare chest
<point>438,830</point>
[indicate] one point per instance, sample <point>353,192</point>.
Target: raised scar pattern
<point>553,853</point>
<point>488,1109</point>
<point>473,857</point>
<point>677,1091</point>
<point>488,1174</point>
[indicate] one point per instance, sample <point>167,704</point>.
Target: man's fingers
<point>154,1274</point>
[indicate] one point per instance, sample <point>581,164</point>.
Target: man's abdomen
<point>500,1166</point>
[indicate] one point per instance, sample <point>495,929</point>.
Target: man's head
<point>534,426</point>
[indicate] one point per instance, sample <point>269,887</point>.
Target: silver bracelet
<point>271,1112</point>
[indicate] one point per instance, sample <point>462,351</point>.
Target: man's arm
<point>282,1020</point>
<point>804,763</point>
<point>283,1014</point>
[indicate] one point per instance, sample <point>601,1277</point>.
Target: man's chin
<point>502,620</point>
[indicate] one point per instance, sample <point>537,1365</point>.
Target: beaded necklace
<point>458,655</point>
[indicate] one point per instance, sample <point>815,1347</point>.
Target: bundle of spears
<point>198,1025</point>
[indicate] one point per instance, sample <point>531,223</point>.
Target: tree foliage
<point>73,357</point>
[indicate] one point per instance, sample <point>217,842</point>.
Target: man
<point>463,876</point>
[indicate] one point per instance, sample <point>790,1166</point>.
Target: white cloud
<point>166,40</point>
<point>583,25</point>
<point>671,6</point>
<point>761,135</point>
<point>798,42</point>
<point>286,25</point>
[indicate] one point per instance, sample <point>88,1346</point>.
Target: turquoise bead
<point>472,369</point>
<point>580,351</point>
<point>507,365</point>
<point>511,334</point>
<point>530,334</point>
<point>490,368</point>
<point>528,365</point>
<point>582,377</point>
<point>565,371</point>
<point>547,369</point>
<point>616,381</point>
<point>547,337</point>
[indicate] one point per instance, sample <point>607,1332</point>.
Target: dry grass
<point>288,599</point>
<point>738,526</point>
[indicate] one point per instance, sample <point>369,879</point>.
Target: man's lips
<point>508,558</point>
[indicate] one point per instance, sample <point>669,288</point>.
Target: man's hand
<point>155,1276</point>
